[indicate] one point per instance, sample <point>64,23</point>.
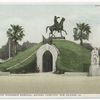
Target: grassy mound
<point>23,62</point>
<point>72,57</point>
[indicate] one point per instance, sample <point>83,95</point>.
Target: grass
<point>13,66</point>
<point>72,57</point>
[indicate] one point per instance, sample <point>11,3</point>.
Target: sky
<point>35,18</point>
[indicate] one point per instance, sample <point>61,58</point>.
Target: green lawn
<point>22,61</point>
<point>72,57</point>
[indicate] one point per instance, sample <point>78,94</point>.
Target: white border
<point>60,1</point>
<point>46,96</point>
<point>50,2</point>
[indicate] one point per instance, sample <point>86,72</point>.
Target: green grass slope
<point>23,62</point>
<point>72,57</point>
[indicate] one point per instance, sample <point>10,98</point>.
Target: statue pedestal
<point>58,37</point>
<point>94,70</point>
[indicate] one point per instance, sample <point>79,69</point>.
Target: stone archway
<point>40,53</point>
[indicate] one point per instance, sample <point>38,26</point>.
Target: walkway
<point>49,83</point>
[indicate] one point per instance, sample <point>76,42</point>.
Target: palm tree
<point>15,34</point>
<point>81,32</point>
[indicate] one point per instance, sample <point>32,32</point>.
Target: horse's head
<point>63,19</point>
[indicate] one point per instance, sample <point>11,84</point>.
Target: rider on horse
<point>55,21</point>
<point>57,26</point>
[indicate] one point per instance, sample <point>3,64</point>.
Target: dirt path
<point>49,83</point>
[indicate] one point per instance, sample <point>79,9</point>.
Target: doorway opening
<point>47,61</point>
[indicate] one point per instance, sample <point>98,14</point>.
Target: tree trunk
<point>81,42</point>
<point>9,43</point>
<point>15,48</point>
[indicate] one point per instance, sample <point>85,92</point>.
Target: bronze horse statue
<point>58,28</point>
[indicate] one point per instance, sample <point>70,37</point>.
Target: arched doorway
<point>41,54</point>
<point>47,61</point>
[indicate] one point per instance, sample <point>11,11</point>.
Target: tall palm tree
<point>81,32</point>
<point>15,33</point>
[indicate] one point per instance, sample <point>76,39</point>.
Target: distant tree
<point>88,46</point>
<point>81,32</point>
<point>4,51</point>
<point>15,33</point>
<point>26,45</point>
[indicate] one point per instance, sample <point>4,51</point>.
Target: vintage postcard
<point>50,50</point>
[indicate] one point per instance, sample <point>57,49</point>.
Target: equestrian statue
<point>56,27</point>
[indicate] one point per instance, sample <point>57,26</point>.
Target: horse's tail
<point>66,32</point>
<point>47,28</point>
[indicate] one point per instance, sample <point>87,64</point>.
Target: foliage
<point>15,34</point>
<point>88,46</point>
<point>4,51</point>
<point>26,45</point>
<point>81,32</point>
